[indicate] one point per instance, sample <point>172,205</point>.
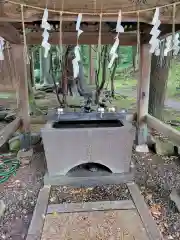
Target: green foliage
<point>173,87</point>
<point>125,57</point>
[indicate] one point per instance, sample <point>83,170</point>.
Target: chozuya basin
<point>71,141</point>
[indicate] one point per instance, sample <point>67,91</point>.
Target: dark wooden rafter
<point>13,32</point>
<point>85,26</point>
<point>86,38</point>
<point>166,29</point>
<point>1,8</point>
<point>71,18</point>
<point>90,35</point>
<point>7,31</point>
<point>11,26</point>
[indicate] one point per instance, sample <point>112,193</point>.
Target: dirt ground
<point>19,195</point>
<point>155,175</point>
<point>95,225</point>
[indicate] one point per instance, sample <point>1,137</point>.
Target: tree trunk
<point>112,77</point>
<point>81,77</point>
<point>81,85</point>
<point>90,65</point>
<point>134,57</point>
<point>104,71</point>
<point>33,109</point>
<point>32,102</point>
<point>53,76</point>
<point>158,85</point>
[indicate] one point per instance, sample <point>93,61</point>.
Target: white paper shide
<point>45,34</point>
<point>176,44</point>
<point>172,44</point>
<point>2,42</point>
<point>76,60</point>
<point>113,52</point>
<point>155,32</point>
<point>168,45</point>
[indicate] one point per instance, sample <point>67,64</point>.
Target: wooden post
<point>143,93</point>
<point>21,71</point>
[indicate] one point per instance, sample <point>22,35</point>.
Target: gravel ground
<point>19,195</point>
<point>156,177</point>
<point>103,193</point>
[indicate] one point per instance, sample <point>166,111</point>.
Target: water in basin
<point>93,123</point>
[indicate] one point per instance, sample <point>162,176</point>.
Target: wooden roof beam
<point>126,39</point>
<point>10,33</point>
<point>86,18</point>
<point>7,31</point>
<point>166,30</point>
<point>72,18</point>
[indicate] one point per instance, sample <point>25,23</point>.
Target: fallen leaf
<point>155,210</point>
<point>52,199</point>
<point>149,196</point>
<point>170,237</point>
<point>166,225</point>
<point>54,214</point>
<point>2,208</point>
<point>76,191</point>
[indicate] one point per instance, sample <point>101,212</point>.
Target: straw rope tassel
<point>99,43</point>
<point>94,5</point>
<point>100,28</point>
